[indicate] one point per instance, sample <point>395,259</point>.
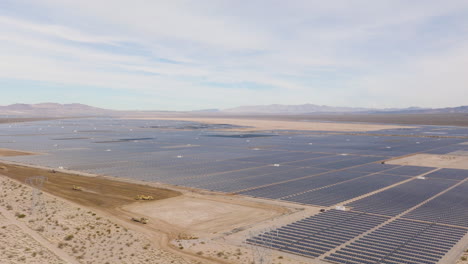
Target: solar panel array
<point>451,174</point>
<point>409,170</point>
<point>401,241</point>
<point>449,208</point>
<point>303,167</point>
<point>400,198</point>
<point>318,234</point>
<point>347,190</point>
<point>285,189</point>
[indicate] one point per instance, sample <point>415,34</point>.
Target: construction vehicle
<point>77,188</point>
<point>143,197</point>
<point>142,220</point>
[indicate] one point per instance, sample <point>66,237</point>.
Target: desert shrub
<point>20,215</point>
<point>62,245</point>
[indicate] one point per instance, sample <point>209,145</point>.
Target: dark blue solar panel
<point>449,208</point>
<point>452,174</point>
<point>374,167</point>
<point>400,198</point>
<point>350,163</point>
<point>347,190</point>
<point>315,235</point>
<point>409,170</point>
<point>401,241</point>
<point>294,187</point>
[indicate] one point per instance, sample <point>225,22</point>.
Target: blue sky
<point>185,55</point>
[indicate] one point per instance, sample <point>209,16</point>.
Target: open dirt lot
<point>431,160</point>
<point>97,191</point>
<point>199,215</point>
<point>260,124</point>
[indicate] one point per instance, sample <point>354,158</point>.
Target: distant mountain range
<point>59,110</point>
<point>51,109</point>
<point>314,109</point>
<point>292,109</point>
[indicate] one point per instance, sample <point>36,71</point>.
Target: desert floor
<point>253,124</point>
<point>451,161</point>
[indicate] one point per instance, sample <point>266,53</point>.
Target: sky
<point>188,55</point>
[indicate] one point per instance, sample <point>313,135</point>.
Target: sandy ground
<point>463,258</point>
<point>254,125</point>
<point>85,236</point>
<point>185,226</point>
<point>9,153</point>
<point>203,216</point>
<point>17,246</point>
<point>431,160</point>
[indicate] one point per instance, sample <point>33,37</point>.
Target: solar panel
<point>401,241</point>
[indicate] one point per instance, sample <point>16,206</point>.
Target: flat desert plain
<point>256,125</point>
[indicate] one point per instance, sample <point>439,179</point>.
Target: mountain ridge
<point>77,109</point>
<point>51,109</point>
<point>313,108</point>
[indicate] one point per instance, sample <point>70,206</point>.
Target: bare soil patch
<point>203,215</point>
<point>431,160</point>
<point>97,191</point>
<point>10,153</point>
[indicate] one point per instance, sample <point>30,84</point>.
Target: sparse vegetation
<point>94,238</point>
<point>20,215</point>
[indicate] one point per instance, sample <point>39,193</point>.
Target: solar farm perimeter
<point>393,213</point>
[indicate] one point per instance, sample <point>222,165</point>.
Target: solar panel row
<point>346,190</point>
<point>401,241</point>
<point>318,234</point>
<point>450,208</point>
<point>400,198</point>
<point>280,190</point>
<point>452,174</point>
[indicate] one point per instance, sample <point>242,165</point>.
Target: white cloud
<point>357,53</point>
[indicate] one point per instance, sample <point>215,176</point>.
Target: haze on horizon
<point>186,55</point>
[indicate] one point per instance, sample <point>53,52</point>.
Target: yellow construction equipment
<point>144,197</point>
<point>142,220</point>
<point>77,188</point>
